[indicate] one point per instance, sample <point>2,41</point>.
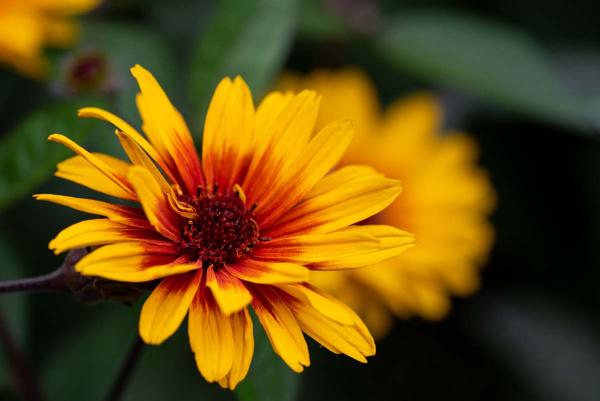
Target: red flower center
<point>224,231</point>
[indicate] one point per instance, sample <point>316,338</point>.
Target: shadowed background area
<point>522,79</point>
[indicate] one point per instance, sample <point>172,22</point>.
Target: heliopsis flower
<point>445,203</point>
<point>27,26</point>
<point>242,227</point>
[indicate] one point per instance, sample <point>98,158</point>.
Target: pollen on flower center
<point>223,231</point>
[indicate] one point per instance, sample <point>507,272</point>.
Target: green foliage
<point>81,366</point>
<point>317,23</point>
<point>488,60</point>
<point>169,372</point>
<point>269,378</point>
<point>26,156</point>
<point>127,44</point>
<point>245,37</point>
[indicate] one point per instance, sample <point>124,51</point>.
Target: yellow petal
<point>255,271</point>
<point>95,232</point>
<point>123,126</point>
<point>229,292</point>
<point>134,262</point>
<point>21,34</point>
<point>282,329</point>
<point>280,139</point>
<point>167,306</point>
<point>267,113</point>
<point>121,214</point>
<point>139,158</point>
<point>155,203</point>
<point>318,158</point>
<point>211,337</point>
<point>243,343</point>
<point>347,196</point>
<point>351,340</point>
<point>80,171</point>
<point>67,7</point>
<point>347,93</point>
<point>167,131</point>
<point>228,132</point>
<point>321,301</point>
<point>102,166</point>
<point>349,248</point>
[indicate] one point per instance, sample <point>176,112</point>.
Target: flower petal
<point>211,337</point>
<point>123,126</point>
<point>79,170</point>
<point>66,8</point>
<point>260,272</point>
<point>139,158</point>
<point>155,203</point>
<point>129,216</point>
<point>321,301</point>
<point>281,327</point>
<point>167,131</point>
<point>134,262</point>
<point>280,139</point>
<point>349,248</point>
<point>229,292</point>
<point>167,306</point>
<point>353,340</point>
<point>243,343</point>
<point>318,158</point>
<point>105,168</point>
<point>96,232</point>
<point>268,112</point>
<point>345,197</point>
<point>228,131</point>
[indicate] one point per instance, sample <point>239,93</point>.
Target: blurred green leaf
<point>169,372</point>
<point>12,307</point>
<point>82,365</point>
<point>316,22</point>
<point>127,44</point>
<point>482,58</point>
<point>269,378</point>
<point>246,37</point>
<point>26,156</point>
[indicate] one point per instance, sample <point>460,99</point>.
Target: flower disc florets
<point>223,231</point>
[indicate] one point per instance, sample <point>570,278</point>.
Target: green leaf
<point>26,156</point>
<point>269,378</point>
<point>490,61</point>
<point>316,22</point>
<point>246,37</point>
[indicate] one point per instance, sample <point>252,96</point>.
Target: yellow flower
<point>445,203</point>
<point>243,226</point>
<point>27,26</point>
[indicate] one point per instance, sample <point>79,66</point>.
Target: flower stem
<point>47,282</point>
<point>126,371</point>
<point>23,379</point>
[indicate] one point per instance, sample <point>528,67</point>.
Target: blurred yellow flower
<point>243,226</point>
<point>27,26</point>
<point>446,200</point>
